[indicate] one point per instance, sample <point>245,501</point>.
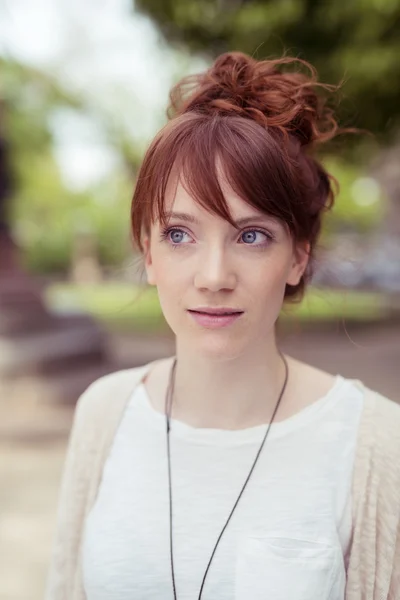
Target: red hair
<point>262,125</point>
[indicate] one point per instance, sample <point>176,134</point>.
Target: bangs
<point>198,152</point>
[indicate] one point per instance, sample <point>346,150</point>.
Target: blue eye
<point>176,235</point>
<point>250,237</point>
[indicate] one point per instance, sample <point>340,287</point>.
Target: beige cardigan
<point>374,564</point>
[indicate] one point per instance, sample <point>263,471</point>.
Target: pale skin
<point>227,378</point>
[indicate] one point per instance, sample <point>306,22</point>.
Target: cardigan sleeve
<point>97,414</point>
<point>374,566</point>
<point>390,497</point>
<point>394,590</point>
<point>72,499</point>
<point>387,463</point>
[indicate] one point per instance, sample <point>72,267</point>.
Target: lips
<point>215,318</point>
<point>216,311</point>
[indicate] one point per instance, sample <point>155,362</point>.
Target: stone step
<point>64,339</point>
<point>20,322</point>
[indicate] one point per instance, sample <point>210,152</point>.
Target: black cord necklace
<point>168,407</point>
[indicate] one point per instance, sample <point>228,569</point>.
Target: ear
<point>300,258</point>
<point>148,263</point>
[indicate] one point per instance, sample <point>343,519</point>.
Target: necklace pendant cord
<point>168,407</point>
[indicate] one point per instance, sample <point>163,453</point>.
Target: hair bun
<point>237,84</point>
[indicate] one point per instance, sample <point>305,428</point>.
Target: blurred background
<point>83,88</point>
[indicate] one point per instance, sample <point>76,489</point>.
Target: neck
<point>232,394</point>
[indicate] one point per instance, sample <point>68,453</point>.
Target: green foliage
<point>45,214</point>
<point>359,203</point>
<point>47,217</point>
<point>118,305</point>
<point>357,42</point>
<point>328,305</point>
<point>29,96</point>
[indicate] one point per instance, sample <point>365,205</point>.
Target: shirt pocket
<point>287,568</point>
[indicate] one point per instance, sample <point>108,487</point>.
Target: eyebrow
<point>180,216</point>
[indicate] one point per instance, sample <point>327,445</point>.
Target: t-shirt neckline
<point>180,429</point>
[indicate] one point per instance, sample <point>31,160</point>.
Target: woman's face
<point>201,262</point>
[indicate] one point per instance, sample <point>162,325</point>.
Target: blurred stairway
<point>46,359</point>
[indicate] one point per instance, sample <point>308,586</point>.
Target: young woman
<point>230,470</point>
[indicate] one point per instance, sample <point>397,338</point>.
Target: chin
<point>216,346</point>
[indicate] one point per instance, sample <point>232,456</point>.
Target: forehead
<point>179,199</point>
<point>182,199</point>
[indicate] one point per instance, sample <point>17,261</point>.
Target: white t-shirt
<point>289,534</point>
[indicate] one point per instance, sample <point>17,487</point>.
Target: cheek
<point>270,278</point>
<point>267,290</point>
<point>169,276</point>
<point>171,283</point>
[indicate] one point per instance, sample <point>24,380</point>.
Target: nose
<point>214,272</point>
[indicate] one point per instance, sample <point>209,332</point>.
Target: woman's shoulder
<point>378,408</point>
<point>379,432</point>
<point>108,394</point>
